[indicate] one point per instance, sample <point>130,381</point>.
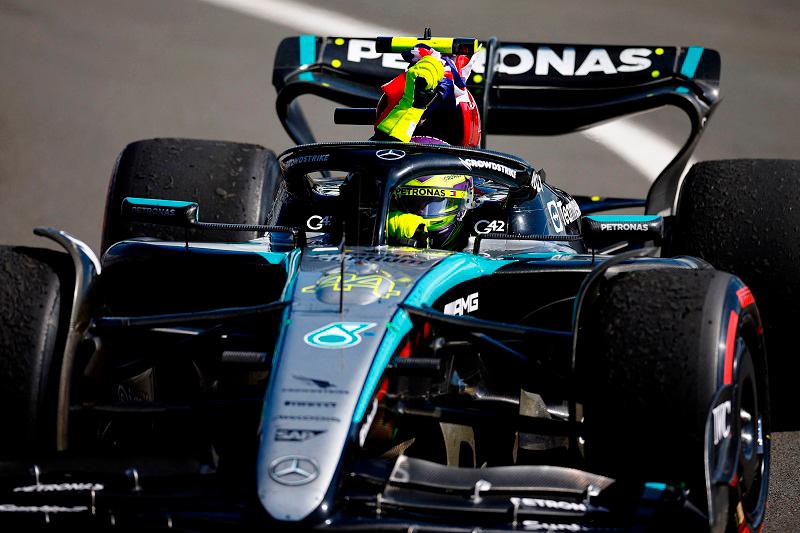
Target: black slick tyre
<point>743,216</point>
<point>35,301</point>
<point>673,374</point>
<point>232,183</point>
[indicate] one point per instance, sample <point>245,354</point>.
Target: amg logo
<point>292,403</point>
<point>297,435</point>
<point>306,159</point>
<point>154,211</point>
<point>626,226</point>
<point>553,504</point>
<point>462,305</point>
<point>479,163</point>
<point>722,426</point>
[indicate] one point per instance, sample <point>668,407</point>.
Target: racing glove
<point>422,79</point>
<point>405,229</point>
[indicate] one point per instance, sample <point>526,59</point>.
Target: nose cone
<point>309,409</point>
<point>329,357</point>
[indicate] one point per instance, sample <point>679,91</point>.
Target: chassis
<point>312,376</point>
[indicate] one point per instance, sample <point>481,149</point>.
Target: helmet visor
<point>430,202</point>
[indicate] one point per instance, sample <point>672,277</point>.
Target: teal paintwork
<point>308,54</point>
<point>642,219</point>
<point>159,203</point>
<point>689,67</point>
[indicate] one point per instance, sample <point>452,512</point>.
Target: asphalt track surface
<point>79,79</point>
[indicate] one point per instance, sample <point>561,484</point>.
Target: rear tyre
<point>35,288</point>
<point>743,216</point>
<point>232,182</point>
<point>657,350</point>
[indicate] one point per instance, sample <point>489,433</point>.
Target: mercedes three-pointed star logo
<point>293,470</point>
<point>390,155</point>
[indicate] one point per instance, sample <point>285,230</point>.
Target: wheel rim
<point>753,460</point>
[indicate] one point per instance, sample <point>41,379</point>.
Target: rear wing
<point>520,88</point>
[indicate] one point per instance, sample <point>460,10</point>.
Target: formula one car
<point>251,353</point>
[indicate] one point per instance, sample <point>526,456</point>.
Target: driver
<point>430,103</point>
<point>429,212</point>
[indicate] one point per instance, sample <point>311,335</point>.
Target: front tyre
<point>35,303</point>
<point>232,183</point>
<point>673,375</point>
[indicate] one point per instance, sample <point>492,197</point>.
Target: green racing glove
<point>407,229</point>
<point>422,78</point>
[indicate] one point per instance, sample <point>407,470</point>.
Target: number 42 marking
<point>490,226</point>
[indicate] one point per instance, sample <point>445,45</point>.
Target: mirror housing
<point>167,212</point>
<point>600,230</point>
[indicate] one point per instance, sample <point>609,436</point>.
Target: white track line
<point>305,18</point>
<point>644,150</point>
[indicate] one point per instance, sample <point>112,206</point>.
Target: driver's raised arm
<point>421,85</point>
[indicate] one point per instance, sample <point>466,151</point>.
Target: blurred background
<point>82,78</point>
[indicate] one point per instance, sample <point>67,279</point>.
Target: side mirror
<point>187,215</point>
<point>600,230</point>
<point>167,212</point>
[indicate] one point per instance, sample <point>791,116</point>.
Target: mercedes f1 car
<point>250,353</point>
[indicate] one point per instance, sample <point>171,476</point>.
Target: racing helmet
<point>439,201</point>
